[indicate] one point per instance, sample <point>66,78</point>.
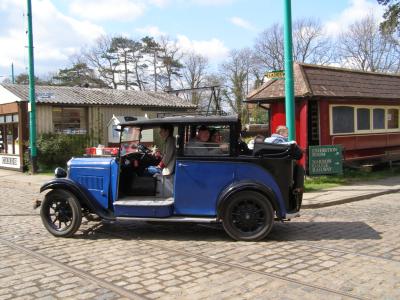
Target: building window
<point>392,118</point>
<point>366,119</point>
<point>379,118</point>
<point>70,120</point>
<point>363,119</point>
<point>343,119</point>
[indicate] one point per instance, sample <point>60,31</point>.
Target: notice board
<point>325,160</point>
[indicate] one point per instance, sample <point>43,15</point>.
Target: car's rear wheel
<point>248,216</point>
<point>61,213</point>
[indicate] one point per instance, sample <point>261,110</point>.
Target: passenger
<point>167,163</point>
<point>217,146</point>
<point>200,144</point>
<point>280,136</point>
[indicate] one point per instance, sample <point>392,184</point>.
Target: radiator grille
<point>91,182</point>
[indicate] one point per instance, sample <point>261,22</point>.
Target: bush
<point>54,149</point>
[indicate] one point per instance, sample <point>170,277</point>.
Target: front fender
<point>250,186</point>
<point>80,193</point>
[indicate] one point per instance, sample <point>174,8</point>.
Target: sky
<point>61,28</point>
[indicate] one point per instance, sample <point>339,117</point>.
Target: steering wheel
<point>143,149</point>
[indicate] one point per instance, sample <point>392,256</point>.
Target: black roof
<point>185,120</point>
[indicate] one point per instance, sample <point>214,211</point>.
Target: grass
<point>314,183</point>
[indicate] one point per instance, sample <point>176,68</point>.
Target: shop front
<point>11,148</point>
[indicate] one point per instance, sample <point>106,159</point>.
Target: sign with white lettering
<point>324,160</point>
<point>10,161</point>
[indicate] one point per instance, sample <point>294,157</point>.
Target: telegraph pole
<point>289,82</point>
<point>32,103</point>
<point>12,73</point>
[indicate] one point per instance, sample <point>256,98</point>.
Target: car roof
<point>185,119</point>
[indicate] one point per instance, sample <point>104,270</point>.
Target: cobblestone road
<point>351,251</point>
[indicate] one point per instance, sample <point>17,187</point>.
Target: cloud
<point>55,36</point>
<point>214,49</point>
<point>153,31</point>
<point>357,10</point>
<point>242,23</point>
<point>108,10</point>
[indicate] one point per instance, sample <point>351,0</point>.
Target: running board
<point>170,219</point>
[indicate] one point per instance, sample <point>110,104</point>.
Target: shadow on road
<point>299,231</point>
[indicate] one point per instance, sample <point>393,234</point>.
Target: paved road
<point>350,251</point>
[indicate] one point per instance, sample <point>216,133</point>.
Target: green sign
<point>324,160</point>
<point>275,74</point>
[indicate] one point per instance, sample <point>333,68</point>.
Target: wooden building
<point>335,106</point>
<point>73,110</point>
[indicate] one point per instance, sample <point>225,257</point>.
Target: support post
<point>12,73</point>
<point>32,102</point>
<point>289,82</point>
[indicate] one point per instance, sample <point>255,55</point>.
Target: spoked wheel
<point>248,216</point>
<point>61,213</point>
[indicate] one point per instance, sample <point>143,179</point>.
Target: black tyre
<point>248,216</point>
<point>61,213</point>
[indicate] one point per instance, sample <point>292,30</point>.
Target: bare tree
<point>106,63</point>
<point>194,73</point>
<point>310,45</point>
<point>171,64</point>
<point>236,71</point>
<point>364,47</point>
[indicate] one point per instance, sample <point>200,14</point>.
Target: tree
<point>79,74</point>
<point>103,61</point>
<point>128,53</point>
<point>236,71</point>
<point>23,78</point>
<point>152,49</point>
<point>170,58</point>
<point>391,16</point>
<point>310,45</point>
<point>364,47</point>
<point>194,71</point>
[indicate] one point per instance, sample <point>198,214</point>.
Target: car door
<point>201,176</point>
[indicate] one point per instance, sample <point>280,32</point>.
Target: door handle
<point>182,165</point>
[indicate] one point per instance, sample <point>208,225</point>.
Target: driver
<point>167,164</point>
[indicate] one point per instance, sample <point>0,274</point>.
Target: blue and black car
<point>224,182</point>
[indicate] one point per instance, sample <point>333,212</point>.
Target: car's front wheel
<point>61,213</point>
<point>248,216</point>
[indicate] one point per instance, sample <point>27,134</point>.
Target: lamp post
<point>32,102</point>
<point>289,82</point>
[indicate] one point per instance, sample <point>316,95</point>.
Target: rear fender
<point>84,197</point>
<point>248,186</point>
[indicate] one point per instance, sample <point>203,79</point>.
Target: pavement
<point>317,199</point>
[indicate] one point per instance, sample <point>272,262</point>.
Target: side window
<point>210,140</point>
<point>342,119</point>
<point>363,119</point>
<point>392,118</point>
<point>379,118</point>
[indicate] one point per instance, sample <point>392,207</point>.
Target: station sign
<point>325,160</point>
